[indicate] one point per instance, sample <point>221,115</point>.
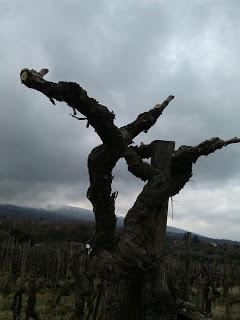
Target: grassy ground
<point>64,309</point>
<point>219,309</point>
<point>218,312</point>
<point>44,307</point>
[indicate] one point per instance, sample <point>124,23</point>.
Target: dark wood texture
<point>134,285</point>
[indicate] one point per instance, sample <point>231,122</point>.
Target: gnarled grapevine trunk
<point>145,227</point>
<point>134,285</point>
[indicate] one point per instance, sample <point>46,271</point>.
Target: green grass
<point>65,309</point>
<point>43,306</point>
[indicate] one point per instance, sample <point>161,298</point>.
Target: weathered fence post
<point>187,285</point>
<point>226,281</point>
<point>162,153</point>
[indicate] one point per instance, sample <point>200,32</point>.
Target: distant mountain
<point>61,213</point>
<point>176,230</point>
<point>74,213</point>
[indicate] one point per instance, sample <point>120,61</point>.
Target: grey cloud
<point>128,56</point>
<point>37,194</point>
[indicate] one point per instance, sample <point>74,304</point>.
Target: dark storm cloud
<point>129,56</point>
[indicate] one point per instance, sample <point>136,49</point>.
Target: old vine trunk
<point>133,283</point>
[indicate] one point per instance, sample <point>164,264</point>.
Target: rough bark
<point>103,158</point>
<point>145,120</point>
<point>145,228</point>
<point>101,162</point>
<point>134,285</point>
<point>76,97</point>
<point>162,153</point>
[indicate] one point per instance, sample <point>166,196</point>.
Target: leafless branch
<point>137,166</point>
<point>204,148</point>
<point>145,120</point>
<point>76,97</point>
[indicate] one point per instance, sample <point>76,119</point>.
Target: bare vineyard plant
<point>129,278</point>
<point>51,281</point>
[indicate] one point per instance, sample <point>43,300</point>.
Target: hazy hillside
<point>68,213</point>
<point>61,213</point>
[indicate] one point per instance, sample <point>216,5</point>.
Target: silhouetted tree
<point>135,285</point>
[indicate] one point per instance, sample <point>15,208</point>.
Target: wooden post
<point>226,284</point>
<point>187,289</point>
<point>162,153</point>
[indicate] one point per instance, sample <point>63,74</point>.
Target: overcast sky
<point>129,55</point>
